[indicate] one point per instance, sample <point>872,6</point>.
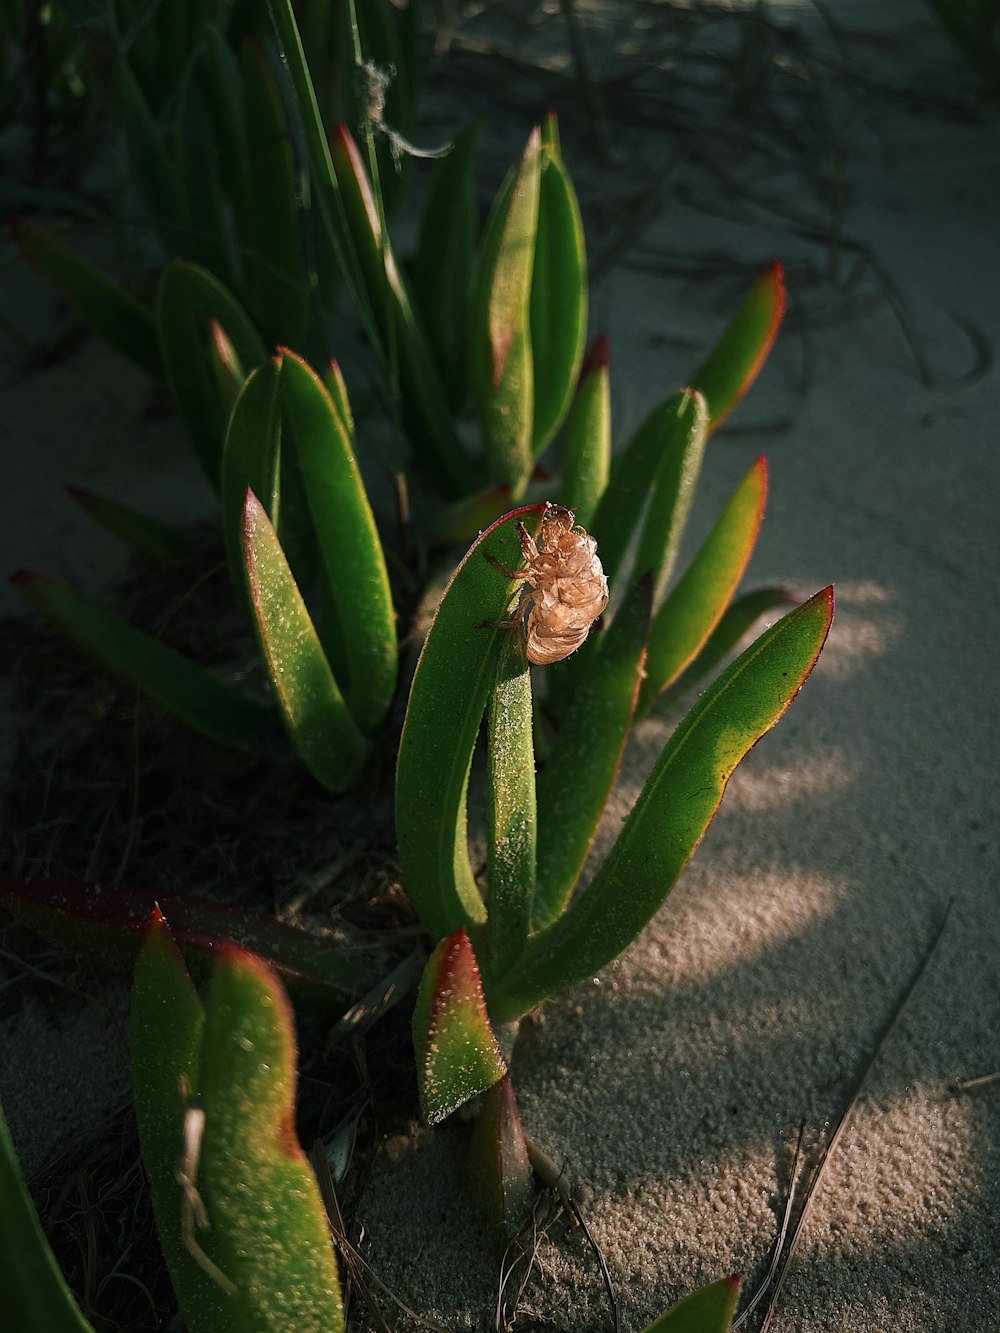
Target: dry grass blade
<point>602,1263</point>
<point>779,1244</point>
<point>965,1084</point>
<point>845,1120</point>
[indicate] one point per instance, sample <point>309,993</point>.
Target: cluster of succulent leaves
<point>266,221</point>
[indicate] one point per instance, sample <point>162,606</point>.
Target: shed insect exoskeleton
<point>568,587</point>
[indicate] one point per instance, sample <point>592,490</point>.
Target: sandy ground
<point>674,1085</point>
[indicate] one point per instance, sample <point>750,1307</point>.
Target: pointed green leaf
<point>312,705</point>
<point>226,365</point>
<point>447,700</point>
<point>190,299</point>
<point>673,491</point>
<point>500,334</point>
<point>576,781</point>
<point>166,1030</point>
<point>424,404</point>
<point>185,689</point>
<point>268,1231</point>
<point>123,322</point>
<point>510,814</point>
<point>736,621</point>
<point>676,806</point>
<point>695,606</point>
<point>35,1296</point>
<point>499,1165</point>
<point>586,439</point>
<point>558,296</point>
<point>333,378</point>
<point>106,921</point>
<point>442,270</point>
<point>665,431</point>
<point>709,1310</point>
<point>275,271</point>
<point>145,534</point>
<point>735,361</point>
<point>457,1054</point>
<point>251,458</point>
<point>348,541</point>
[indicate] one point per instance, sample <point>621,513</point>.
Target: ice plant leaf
<point>574,785</point>
<point>453,679</point>
<point>586,438</point>
<point>268,1231</point>
<point>665,431</point>
<point>157,540</point>
<point>735,361</point>
<point>510,814</point>
<point>424,403</point>
<point>36,1298</point>
<point>166,1029</point>
<point>457,1053</point>
<point>736,621</point>
<point>558,311</point>
<point>251,457</point>
<point>695,606</point>
<point>709,1310</point>
<point>187,690</point>
<point>499,1165</point>
<point>123,322</point>
<point>152,164</point>
<point>500,333</point>
<point>674,809</point>
<point>442,270</point>
<point>190,300</point>
<point>312,704</point>
<point>348,541</point>
<point>106,922</point>
<point>274,261</point>
<point>673,491</point>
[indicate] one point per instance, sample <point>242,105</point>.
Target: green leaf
<point>673,491</point>
<point>499,1165</point>
<point>675,808</point>
<point>510,814</point>
<point>424,404</point>
<point>558,295</point>
<point>500,334</point>
<point>348,541</point>
<point>736,620</point>
<point>665,431</point>
<point>201,188</point>
<point>251,458</point>
<point>152,165</point>
<point>312,705</point>
<point>586,439</point>
<point>275,271</point>
<point>448,696</point>
<point>226,365</point>
<point>442,270</point>
<point>337,389</point>
<point>123,322</point>
<point>457,1054</point>
<point>735,361</point>
<point>106,921</point>
<point>185,689</point>
<point>268,1231</point>
<point>157,540</point>
<point>695,606</point>
<point>35,1296</point>
<point>709,1310</point>
<point>166,1030</point>
<point>190,299</point>
<point>580,771</point>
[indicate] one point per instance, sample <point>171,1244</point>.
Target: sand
<point>673,1086</point>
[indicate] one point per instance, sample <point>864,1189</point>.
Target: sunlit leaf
<point>457,1054</point>
<point>695,606</point>
<point>674,809</point>
<point>586,437</point>
<point>735,361</point>
<point>709,1310</point>
<point>447,699</point>
<point>673,491</point>
<point>312,704</point>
